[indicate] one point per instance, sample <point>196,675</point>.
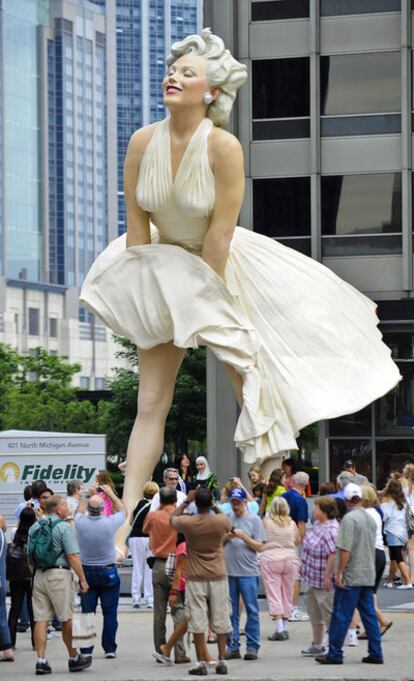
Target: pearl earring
<point>208,98</point>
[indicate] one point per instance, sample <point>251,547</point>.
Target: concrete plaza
<point>278,660</point>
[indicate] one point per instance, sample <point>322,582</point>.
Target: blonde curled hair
<point>223,71</point>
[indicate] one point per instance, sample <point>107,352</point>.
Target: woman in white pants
<point>139,545</point>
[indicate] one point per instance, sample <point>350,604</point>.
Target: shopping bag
<point>83,629</point>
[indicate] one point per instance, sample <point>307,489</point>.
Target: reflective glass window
<point>359,451</point>
<point>34,321</point>
<point>392,455</point>
<point>280,88</point>
<point>281,206</point>
<point>352,424</point>
<point>395,411</point>
<point>361,204</point>
<point>281,9</point>
<point>360,83</point>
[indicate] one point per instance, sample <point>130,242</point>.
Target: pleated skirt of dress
<point>305,342</point>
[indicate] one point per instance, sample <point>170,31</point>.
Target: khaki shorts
<point>52,595</point>
<point>319,605</point>
<point>208,603</point>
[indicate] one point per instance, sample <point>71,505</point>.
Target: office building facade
<point>325,121</point>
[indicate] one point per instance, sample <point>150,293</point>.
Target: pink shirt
<point>280,540</point>
<point>107,504</point>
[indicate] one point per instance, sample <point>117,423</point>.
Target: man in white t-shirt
<point>170,476</point>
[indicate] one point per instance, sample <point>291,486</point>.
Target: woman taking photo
<point>279,565</point>
<point>396,533</point>
<point>184,275</point>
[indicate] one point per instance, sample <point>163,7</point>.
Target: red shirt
<point>163,537</point>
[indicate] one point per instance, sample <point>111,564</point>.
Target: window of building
<point>361,214</point>
<point>34,321</point>
<point>338,7</point>
<point>281,209</point>
<point>355,424</point>
<point>392,455</point>
<point>53,327</point>
<point>354,85</point>
<point>395,411</point>
<point>84,382</point>
<point>100,384</point>
<point>359,451</point>
<point>281,98</point>
<point>281,9</point>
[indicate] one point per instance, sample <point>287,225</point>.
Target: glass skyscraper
<point>77,78</point>
<point>22,228</point>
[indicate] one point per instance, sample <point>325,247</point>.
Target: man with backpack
<point>53,550</point>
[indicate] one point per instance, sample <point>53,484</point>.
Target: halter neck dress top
<point>306,343</point>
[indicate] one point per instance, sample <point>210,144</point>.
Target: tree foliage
<point>36,394</point>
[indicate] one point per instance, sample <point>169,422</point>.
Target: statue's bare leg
<point>158,369</point>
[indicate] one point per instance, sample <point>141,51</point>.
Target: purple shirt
<point>319,543</point>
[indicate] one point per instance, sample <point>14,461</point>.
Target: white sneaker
<point>388,585</point>
<point>352,638</point>
<point>405,586</point>
<point>110,656</point>
<point>149,604</point>
<point>136,603</point>
<point>297,615</point>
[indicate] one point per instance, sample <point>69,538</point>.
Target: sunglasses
<point>172,478</point>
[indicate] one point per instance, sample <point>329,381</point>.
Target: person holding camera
<point>96,537</point>
<point>207,590</point>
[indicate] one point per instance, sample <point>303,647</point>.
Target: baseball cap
<point>352,491</point>
<point>348,464</point>
<point>238,493</point>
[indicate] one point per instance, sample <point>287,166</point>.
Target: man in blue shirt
<point>242,544</point>
<point>96,536</point>
<point>299,513</point>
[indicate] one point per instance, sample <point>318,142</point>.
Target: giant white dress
<point>305,342</point>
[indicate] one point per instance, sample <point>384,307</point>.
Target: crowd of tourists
<point>198,553</point>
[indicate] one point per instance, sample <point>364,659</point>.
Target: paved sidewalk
<point>278,660</point>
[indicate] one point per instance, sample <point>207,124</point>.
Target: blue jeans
<point>104,583</point>
<point>345,602</point>
<point>247,588</point>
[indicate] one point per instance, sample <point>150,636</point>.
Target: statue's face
<point>185,82</point>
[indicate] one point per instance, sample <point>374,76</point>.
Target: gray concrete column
<point>223,457</point>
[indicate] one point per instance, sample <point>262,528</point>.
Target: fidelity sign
<point>52,457</point>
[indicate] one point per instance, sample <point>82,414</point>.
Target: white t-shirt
<point>155,503</point>
<point>379,542</point>
<point>395,520</point>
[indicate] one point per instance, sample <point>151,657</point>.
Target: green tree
<point>36,394</point>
